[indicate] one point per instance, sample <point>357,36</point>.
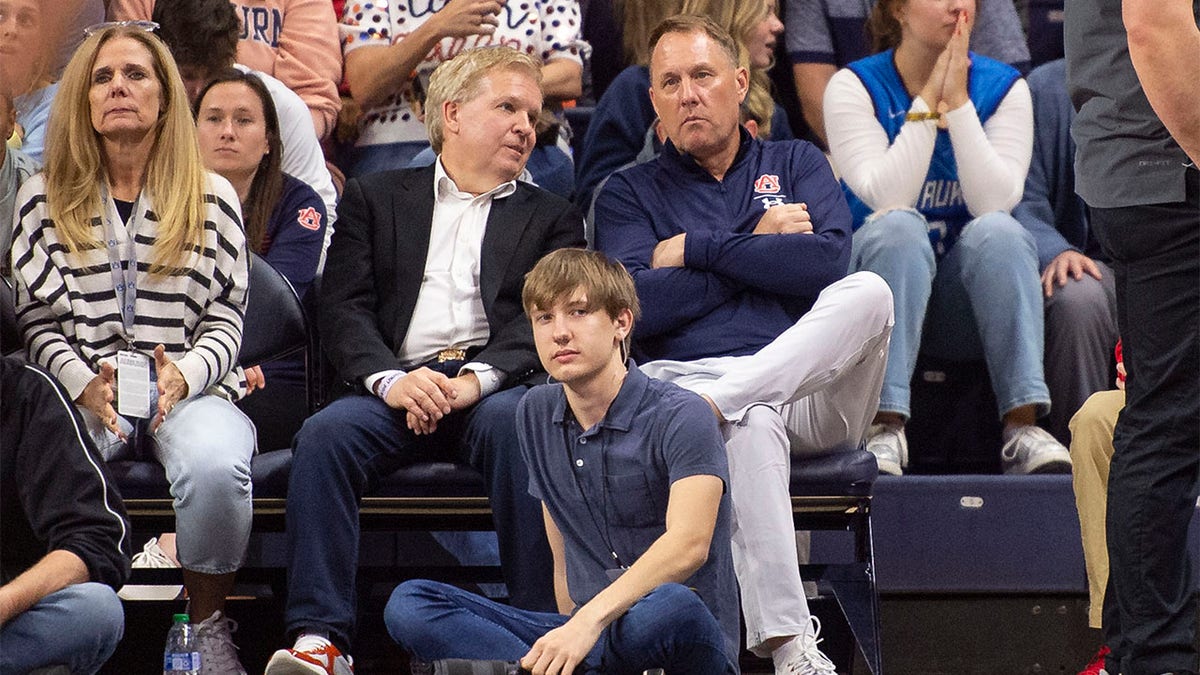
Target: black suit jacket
<point>376,262</point>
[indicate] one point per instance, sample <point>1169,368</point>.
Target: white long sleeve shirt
<point>992,158</point>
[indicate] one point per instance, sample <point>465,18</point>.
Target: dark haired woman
<point>285,223</point>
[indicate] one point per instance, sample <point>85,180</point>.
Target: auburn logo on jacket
<point>309,219</point>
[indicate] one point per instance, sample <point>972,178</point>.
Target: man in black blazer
<point>421,313</point>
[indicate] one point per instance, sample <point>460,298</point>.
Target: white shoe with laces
<point>801,656</point>
<point>151,557</point>
<point>218,654</point>
<point>890,447</point>
<point>311,655</point>
<point>1031,449</point>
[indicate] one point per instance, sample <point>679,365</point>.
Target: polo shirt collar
<point>623,408</point>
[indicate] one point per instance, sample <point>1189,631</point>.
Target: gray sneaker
<point>1033,450</point>
<point>890,447</point>
<point>218,654</point>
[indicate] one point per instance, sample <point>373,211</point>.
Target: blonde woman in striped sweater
<point>126,244</point>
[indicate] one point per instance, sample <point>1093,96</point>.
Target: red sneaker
<point>310,657</point>
<point>1096,665</point>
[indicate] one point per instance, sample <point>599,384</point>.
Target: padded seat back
<point>276,324</point>
<point>10,334</point>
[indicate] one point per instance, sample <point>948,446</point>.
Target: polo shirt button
<point>579,462</point>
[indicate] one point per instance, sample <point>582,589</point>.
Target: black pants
<point>1150,606</point>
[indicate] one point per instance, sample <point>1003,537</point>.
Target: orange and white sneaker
<point>311,655</point>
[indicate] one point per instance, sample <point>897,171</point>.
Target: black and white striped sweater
<point>70,317</point>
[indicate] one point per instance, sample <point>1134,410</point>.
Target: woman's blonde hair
<point>740,18</point>
<point>638,19</point>
<point>74,166</point>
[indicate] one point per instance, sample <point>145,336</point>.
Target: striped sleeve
<point>217,336</point>
<point>40,288</point>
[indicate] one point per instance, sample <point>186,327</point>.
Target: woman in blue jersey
<point>285,222</point>
<point>933,143</point>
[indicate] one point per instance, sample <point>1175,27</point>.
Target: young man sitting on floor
<point>631,473</point>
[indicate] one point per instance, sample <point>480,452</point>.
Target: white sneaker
<point>311,655</point>
<point>218,654</point>
<point>890,447</point>
<point>151,557</point>
<point>801,656</point>
<point>1031,449</point>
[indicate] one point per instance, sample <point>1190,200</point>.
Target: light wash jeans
<point>983,298</point>
<point>78,627</point>
<point>205,445</point>
<point>812,389</point>
<point>669,628</point>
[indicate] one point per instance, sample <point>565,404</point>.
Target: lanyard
<point>605,535</point>
<point>122,263</point>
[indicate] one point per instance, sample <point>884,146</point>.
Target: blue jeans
<point>341,453</point>
<point>670,628</point>
<point>983,298</point>
<point>78,626</point>
<point>205,446</point>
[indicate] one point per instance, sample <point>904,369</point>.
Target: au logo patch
<point>309,218</point>
<point>767,184</point>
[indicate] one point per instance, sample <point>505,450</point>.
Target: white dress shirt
<point>449,309</point>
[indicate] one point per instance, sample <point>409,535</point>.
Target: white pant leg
<point>764,534</point>
<point>815,386</point>
<point>835,354</point>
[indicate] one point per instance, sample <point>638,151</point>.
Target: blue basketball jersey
<point>941,199</point>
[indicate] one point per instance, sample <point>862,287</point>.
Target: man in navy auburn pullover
<point>739,250</point>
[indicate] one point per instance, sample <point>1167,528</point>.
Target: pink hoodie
<point>294,40</point>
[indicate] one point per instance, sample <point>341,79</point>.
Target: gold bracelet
<point>922,116</point>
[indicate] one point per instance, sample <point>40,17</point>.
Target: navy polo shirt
<point>607,487</point>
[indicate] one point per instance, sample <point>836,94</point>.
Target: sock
<point>1011,430</point>
<point>311,642</point>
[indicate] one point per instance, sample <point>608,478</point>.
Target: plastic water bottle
<point>182,655</point>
